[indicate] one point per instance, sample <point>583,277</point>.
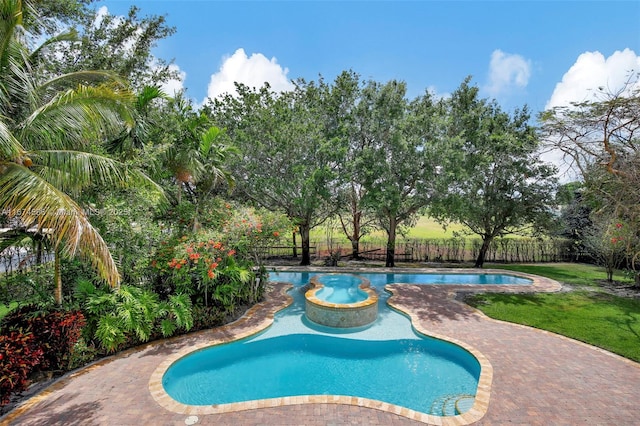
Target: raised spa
<point>341,301</point>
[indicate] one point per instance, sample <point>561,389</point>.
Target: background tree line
<point>367,154</point>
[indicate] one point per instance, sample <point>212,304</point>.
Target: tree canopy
<point>599,138</point>
<point>495,183</point>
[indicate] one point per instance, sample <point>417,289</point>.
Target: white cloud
<point>591,74</point>
<point>174,86</point>
<point>433,90</point>
<point>252,70</point>
<point>507,71</point>
<point>592,71</point>
<point>100,15</point>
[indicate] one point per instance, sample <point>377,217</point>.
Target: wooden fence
<point>503,250</point>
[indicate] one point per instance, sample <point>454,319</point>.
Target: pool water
<point>385,361</point>
<point>381,279</point>
<point>343,288</point>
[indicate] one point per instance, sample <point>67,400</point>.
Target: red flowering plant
<point>208,269</point>
<point>252,231</point>
<point>611,242</point>
<point>220,267</point>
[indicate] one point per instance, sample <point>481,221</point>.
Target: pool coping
<point>238,331</point>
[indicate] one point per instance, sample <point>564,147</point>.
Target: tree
<point>50,130</point>
<point>346,125</point>
<point>574,219</point>
<point>121,44</point>
<point>397,164</point>
<point>285,163</point>
<point>600,139</point>
<point>496,183</point>
<point>606,243</point>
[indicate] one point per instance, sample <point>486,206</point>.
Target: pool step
<point>452,405</point>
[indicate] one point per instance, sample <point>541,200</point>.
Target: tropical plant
<point>50,132</point>
<point>55,331</point>
<point>19,356</point>
<point>131,315</point>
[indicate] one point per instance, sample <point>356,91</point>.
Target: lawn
<point>577,274</point>
<point>586,314</point>
<point>426,228</point>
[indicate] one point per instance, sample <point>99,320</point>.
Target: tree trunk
<point>391,243</point>
<point>304,235</point>
<point>486,242</point>
<point>355,238</point>
<point>355,249</point>
<point>295,245</point>
<point>57,276</point>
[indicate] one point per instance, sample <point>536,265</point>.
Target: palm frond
<point>36,202</point>
<point>10,147</point>
<point>76,117</point>
<point>13,238</point>
<point>82,77</point>
<point>70,35</point>
<point>147,95</point>
<point>70,171</point>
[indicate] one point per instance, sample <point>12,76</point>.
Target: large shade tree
<point>285,162</point>
<point>346,125</point>
<point>599,138</point>
<point>50,135</point>
<point>495,182</point>
<point>398,161</point>
<point>121,44</point>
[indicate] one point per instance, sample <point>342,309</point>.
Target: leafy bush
<point>218,268</point>
<point>55,332</point>
<point>131,315</point>
<point>33,286</point>
<point>19,356</point>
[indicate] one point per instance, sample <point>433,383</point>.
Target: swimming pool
<point>340,288</point>
<point>380,279</point>
<point>387,361</point>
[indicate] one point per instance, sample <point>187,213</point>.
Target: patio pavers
<point>539,378</point>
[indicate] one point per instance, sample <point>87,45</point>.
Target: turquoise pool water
<point>385,361</point>
<point>341,288</point>
<point>379,280</point>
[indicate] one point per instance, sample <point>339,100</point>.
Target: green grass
<point>577,274</point>
<point>600,319</point>
<point>426,228</point>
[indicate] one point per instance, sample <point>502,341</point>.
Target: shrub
<point>131,315</point>
<point>55,332</point>
<point>19,356</point>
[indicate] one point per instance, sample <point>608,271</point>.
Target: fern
<point>110,333</point>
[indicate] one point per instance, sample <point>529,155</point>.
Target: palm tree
<point>51,129</point>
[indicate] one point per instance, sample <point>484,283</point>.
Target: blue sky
<point>539,53</point>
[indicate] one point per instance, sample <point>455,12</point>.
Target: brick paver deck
<point>538,378</point>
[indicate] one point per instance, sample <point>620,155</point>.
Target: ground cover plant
<point>587,313</point>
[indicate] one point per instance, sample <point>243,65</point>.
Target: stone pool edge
<point>477,411</point>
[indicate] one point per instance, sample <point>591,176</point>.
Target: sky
<point>535,53</point>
